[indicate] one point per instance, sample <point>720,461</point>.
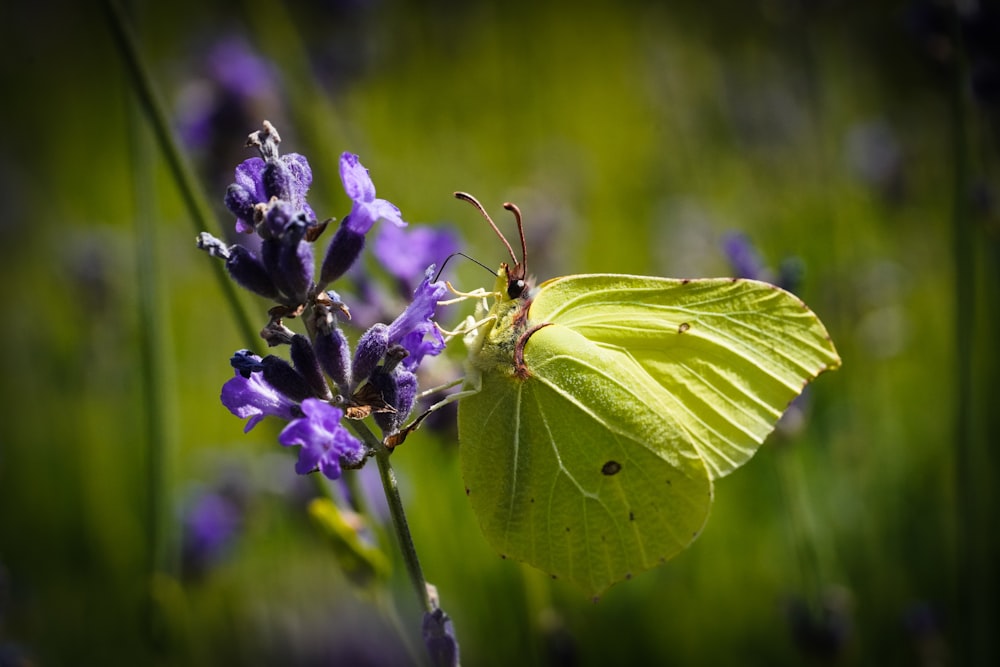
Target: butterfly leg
<point>398,438</point>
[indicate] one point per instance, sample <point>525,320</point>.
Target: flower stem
<point>184,177</point>
<point>399,523</point>
<point>974,567</point>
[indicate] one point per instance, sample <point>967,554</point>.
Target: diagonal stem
<point>399,523</point>
<point>192,194</point>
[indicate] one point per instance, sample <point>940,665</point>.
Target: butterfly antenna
<point>459,254</point>
<point>464,196</point>
<point>520,230</point>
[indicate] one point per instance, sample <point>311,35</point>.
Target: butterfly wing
<point>725,356</point>
<point>573,470</point>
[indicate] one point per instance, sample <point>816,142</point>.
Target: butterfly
<point>599,409</point>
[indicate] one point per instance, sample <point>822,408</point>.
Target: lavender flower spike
<point>326,444</point>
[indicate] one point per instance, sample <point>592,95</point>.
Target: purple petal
<point>325,442</point>
<point>302,177</point>
<point>361,219</point>
<point>255,399</point>
<point>357,183</point>
<point>419,346</point>
<point>421,309</point>
<point>240,203</point>
<point>250,176</point>
<point>364,215</point>
<point>384,210</point>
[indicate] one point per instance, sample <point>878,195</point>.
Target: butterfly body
<point>608,404</point>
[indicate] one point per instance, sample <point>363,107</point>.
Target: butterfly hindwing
<point>574,470</point>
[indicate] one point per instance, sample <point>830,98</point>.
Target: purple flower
<point>406,253</point>
<point>326,444</point>
<point>743,256</point>
<point>746,262</point>
<point>209,528</point>
<point>439,637</point>
<point>239,70</point>
<point>367,210</point>
<point>414,323</point>
<point>253,397</point>
<point>235,83</point>
<point>247,191</point>
<point>291,176</point>
<point>419,345</point>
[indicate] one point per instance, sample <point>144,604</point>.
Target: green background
<point>633,136</point>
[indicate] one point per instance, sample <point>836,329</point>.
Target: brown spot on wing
<point>611,468</point>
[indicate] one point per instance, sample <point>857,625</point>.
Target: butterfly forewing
<point>724,357</point>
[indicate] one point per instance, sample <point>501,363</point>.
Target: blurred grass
<point>633,136</point>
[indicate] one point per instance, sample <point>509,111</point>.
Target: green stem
<point>153,371</point>
<point>399,523</point>
<point>191,193</point>
<point>975,567</point>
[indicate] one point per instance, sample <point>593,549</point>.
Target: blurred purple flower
<point>326,444</point>
<point>233,83</point>
<point>406,253</point>
<point>210,525</point>
<point>743,256</point>
<point>439,637</point>
<point>233,64</point>
<point>746,262</point>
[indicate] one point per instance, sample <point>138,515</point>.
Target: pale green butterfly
<point>599,409</point>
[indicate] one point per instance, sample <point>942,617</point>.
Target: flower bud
<point>295,261</point>
<point>399,389</point>
<point>245,362</point>
<point>277,180</point>
<point>249,272</point>
<point>371,348</point>
<point>278,215</point>
<point>270,253</point>
<point>439,636</point>
<point>279,374</point>
<point>240,203</point>
<point>304,359</point>
<point>343,251</point>
<point>334,356</point>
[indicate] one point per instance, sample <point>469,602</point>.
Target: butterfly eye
<point>516,288</point>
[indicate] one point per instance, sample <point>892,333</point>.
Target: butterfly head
<point>516,276</point>
<point>513,281</point>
